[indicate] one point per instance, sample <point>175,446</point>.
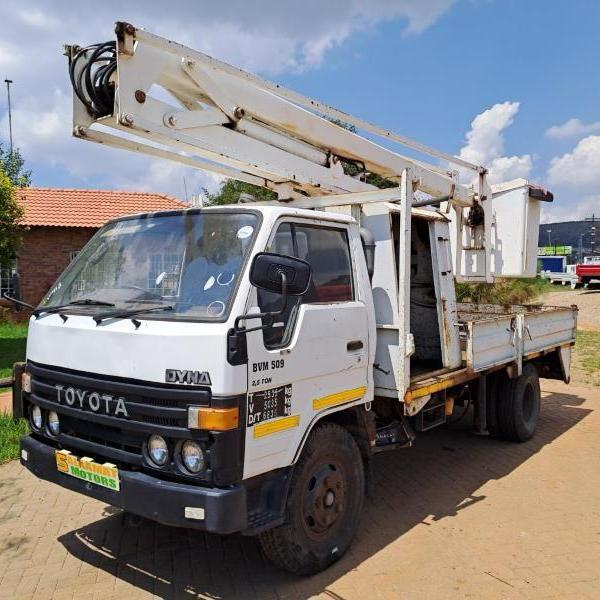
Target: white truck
<point>236,368</point>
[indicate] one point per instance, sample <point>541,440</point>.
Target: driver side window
<point>327,251</point>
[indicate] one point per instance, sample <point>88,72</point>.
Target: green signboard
<point>555,250</point>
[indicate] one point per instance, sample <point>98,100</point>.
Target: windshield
<point>190,261</point>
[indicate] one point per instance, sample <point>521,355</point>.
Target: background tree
<point>230,190</point>
<point>12,165</point>
<point>13,176</point>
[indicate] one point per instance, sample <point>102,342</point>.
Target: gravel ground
<point>456,517</point>
<point>588,302</point>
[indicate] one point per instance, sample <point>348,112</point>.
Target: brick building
<point>59,222</point>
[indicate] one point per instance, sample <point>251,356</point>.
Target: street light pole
<point>8,82</point>
<point>549,231</point>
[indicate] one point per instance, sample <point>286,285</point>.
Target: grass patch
<point>503,291</point>
<point>13,339</point>
<point>586,358</point>
<point>10,432</point>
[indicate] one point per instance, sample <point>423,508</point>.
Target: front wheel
<point>324,504</point>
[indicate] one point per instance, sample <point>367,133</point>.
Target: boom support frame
<point>176,103</point>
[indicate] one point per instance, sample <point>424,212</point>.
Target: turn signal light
<point>214,419</point>
<point>26,382</point>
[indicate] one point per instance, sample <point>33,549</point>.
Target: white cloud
<point>561,211</point>
<point>9,55</point>
<point>575,176</point>
<point>578,169</point>
<point>37,19</point>
<point>272,38</point>
<point>485,145</point>
<point>572,128</point>
<point>506,168</point>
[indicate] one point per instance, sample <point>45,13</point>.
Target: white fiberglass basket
<point>516,210</point>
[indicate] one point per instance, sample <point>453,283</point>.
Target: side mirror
<point>277,273</point>
<point>267,270</point>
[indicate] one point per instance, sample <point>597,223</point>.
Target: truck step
<point>431,416</point>
<point>398,434</point>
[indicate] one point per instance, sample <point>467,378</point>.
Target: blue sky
<point>427,69</point>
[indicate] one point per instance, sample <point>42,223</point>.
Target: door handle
<point>354,345</point>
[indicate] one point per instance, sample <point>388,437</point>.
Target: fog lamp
<point>158,450</point>
<point>192,457</point>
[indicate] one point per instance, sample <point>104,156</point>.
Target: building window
<point>72,255</point>
<point>6,278</point>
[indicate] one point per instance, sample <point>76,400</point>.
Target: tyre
<point>518,407</point>
<point>324,504</point>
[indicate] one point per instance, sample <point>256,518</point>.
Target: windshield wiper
<point>48,310</point>
<point>123,314</point>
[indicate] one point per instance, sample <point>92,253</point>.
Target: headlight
<point>36,417</point>
<point>53,423</point>
<point>192,457</point>
<point>158,450</point>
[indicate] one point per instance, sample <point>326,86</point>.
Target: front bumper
<point>225,509</point>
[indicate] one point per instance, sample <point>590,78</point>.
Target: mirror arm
<point>19,303</point>
<point>284,296</point>
<point>241,318</point>
<point>268,315</point>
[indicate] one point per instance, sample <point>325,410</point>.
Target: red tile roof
<point>87,208</point>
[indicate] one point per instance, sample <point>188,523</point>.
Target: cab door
<point>315,358</point>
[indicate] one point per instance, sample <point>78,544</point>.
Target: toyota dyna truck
<point>236,368</point>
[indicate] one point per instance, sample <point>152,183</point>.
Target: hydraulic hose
<point>90,71</point>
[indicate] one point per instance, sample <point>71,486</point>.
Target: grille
<point>107,430</point>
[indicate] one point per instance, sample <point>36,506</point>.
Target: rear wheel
<point>518,407</point>
<point>324,504</point>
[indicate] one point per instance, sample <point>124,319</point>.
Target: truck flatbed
<point>493,336</point>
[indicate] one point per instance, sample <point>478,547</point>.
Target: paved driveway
<point>455,517</point>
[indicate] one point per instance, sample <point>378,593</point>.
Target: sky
<point>511,84</point>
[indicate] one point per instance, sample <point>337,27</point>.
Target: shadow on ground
<point>434,480</point>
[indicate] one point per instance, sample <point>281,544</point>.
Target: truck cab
<point>130,384</point>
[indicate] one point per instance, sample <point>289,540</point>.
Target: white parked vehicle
<point>236,368</point>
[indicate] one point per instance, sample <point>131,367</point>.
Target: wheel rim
<point>528,403</point>
<point>324,501</point>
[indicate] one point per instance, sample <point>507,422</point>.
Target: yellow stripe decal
<point>339,398</point>
<point>276,425</point>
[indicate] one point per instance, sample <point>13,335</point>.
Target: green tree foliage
<point>12,177</point>
<point>230,190</point>
<point>12,165</point>
<point>353,168</point>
